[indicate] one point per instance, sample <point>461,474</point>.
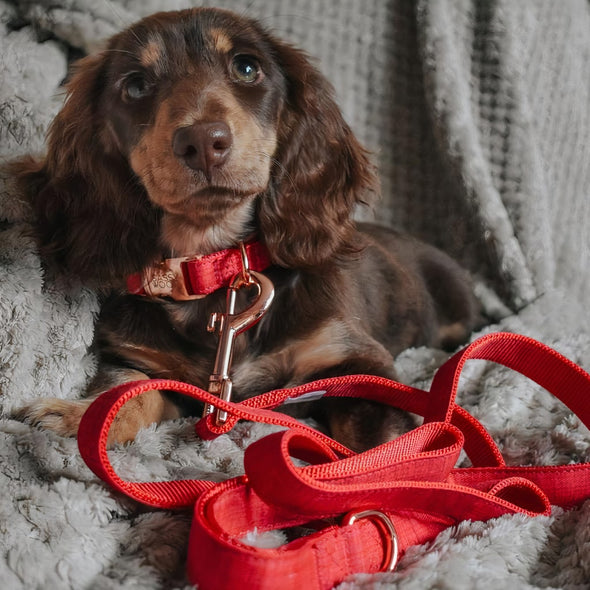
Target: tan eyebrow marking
<point>221,41</point>
<point>150,54</point>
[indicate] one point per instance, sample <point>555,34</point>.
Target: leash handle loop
<point>543,365</point>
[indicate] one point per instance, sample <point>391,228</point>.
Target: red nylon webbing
<point>215,271</point>
<point>412,480</point>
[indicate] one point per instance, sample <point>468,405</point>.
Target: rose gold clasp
<point>383,522</point>
<point>230,324</point>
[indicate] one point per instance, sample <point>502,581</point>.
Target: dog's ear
<point>320,175</point>
<point>92,215</point>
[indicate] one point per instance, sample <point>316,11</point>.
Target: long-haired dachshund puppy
<point>194,131</point>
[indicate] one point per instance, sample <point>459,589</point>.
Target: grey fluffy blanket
<point>479,116</point>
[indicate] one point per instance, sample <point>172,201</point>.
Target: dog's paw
<point>58,415</point>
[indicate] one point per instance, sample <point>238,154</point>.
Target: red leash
<point>397,495</point>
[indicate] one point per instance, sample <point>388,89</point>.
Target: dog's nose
<point>203,146</point>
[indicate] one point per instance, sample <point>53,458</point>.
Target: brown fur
<point>114,195</point>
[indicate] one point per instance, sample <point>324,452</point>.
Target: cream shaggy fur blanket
<point>479,116</point>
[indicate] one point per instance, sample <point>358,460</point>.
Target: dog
<point>196,131</point>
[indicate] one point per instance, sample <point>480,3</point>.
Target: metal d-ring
<point>246,276</point>
<point>391,548</point>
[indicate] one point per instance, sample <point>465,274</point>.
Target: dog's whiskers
<point>276,162</point>
<point>125,51</point>
<point>121,20</point>
<point>117,14</point>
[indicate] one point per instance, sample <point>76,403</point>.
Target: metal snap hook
<point>229,325</point>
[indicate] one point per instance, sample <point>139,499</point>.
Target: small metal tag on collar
<point>166,279</point>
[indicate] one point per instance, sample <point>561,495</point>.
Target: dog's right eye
<point>135,87</point>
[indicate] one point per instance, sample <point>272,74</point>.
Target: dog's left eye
<point>245,69</point>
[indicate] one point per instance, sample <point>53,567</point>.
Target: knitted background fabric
<point>477,113</point>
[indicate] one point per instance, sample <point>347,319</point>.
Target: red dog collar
<point>195,277</point>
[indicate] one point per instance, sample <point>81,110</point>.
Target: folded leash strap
<point>410,486</point>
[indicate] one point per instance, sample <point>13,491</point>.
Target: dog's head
<point>189,132</point>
